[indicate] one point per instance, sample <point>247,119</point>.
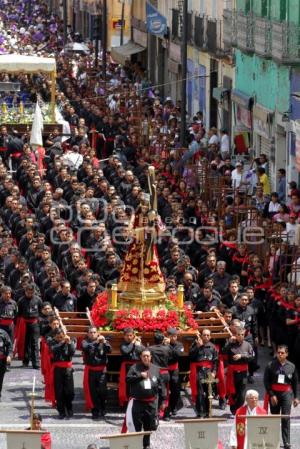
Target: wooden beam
<point>53,92</point>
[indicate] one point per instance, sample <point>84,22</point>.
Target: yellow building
<point>81,14</point>
<point>114,15</point>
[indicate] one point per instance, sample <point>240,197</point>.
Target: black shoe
<point>200,415</point>
<point>25,364</point>
<point>61,416</point>
<point>70,413</point>
<point>102,413</point>
<point>36,367</point>
<point>96,417</point>
<point>250,380</point>
<point>174,412</point>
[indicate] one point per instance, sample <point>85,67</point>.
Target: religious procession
<point>149,225</point>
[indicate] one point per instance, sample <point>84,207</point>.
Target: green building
<point>266,37</point>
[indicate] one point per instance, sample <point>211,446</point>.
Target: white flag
<point>36,137</point>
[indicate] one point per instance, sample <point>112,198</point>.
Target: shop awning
<point>123,53</point>
<point>242,99</point>
<point>219,93</point>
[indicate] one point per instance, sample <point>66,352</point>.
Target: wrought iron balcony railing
<point>245,32</point>
<point>262,37</point>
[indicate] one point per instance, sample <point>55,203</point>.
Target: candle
<point>114,296</point>
<point>33,385</point>
<point>21,108</point>
<point>180,296</point>
<point>4,108</point>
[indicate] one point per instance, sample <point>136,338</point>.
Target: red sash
<point>46,440</point>
<point>241,424</point>
<point>165,403</point>
<point>193,376</point>
<point>51,378</point>
<point>6,321</point>
<point>221,376</point>
<point>275,387</point>
<point>43,349</point>
<point>122,382</point>
<point>86,386</point>
<point>2,356</point>
<point>173,367</point>
<point>264,286</point>
<point>230,387</point>
<point>20,335</point>
<point>16,155</point>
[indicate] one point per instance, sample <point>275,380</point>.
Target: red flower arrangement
<point>143,321</point>
<point>191,323</point>
<point>146,320</point>
<point>99,312</point>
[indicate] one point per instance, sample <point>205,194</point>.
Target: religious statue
<point>141,282</point>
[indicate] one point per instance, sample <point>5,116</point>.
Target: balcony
<point>245,32</point>
<point>267,38</point>
<point>262,37</point>
<point>229,28</point>
<point>285,43</point>
<point>177,25</point>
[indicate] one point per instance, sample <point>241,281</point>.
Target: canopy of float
<point>29,64</point>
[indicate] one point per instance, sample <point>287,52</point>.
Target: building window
<point>202,7</point>
<point>175,23</point>
<point>199,32</point>
<point>189,27</point>
<point>248,6</point>
<point>265,8</point>
<point>214,9</point>
<point>283,10</point>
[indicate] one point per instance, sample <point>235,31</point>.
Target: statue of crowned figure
<point>141,283</point>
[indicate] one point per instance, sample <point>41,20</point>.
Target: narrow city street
<point>80,431</point>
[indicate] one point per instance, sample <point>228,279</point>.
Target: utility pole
<point>104,38</point>
<point>122,23</point>
<point>183,72</point>
<point>96,35</point>
<point>65,19</point>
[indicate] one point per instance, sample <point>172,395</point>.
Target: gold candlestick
<point>4,108</point>
<point>180,296</point>
<point>114,296</point>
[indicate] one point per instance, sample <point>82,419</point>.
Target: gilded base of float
<point>141,299</point>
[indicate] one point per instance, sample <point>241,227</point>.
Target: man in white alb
<point>238,434</point>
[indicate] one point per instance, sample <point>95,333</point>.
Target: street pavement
<point>80,431</point>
